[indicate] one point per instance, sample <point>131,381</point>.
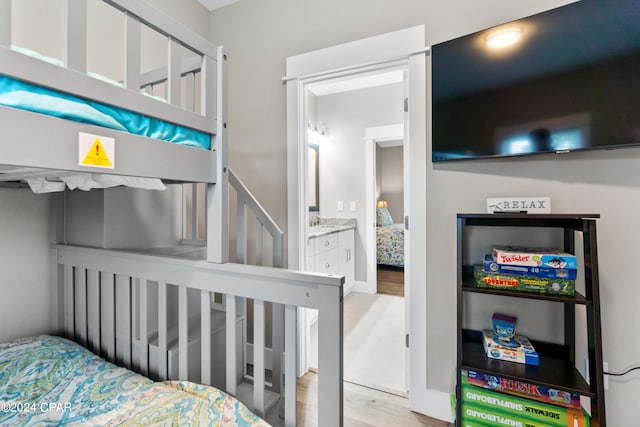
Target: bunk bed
<point>163,314</point>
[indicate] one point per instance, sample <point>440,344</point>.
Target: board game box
<point>521,352</point>
<point>541,285</point>
<point>491,266</point>
<point>519,388</point>
<point>474,416</point>
<point>492,408</point>
<point>533,257</point>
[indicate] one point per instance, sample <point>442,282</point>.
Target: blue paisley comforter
<point>52,381</point>
<point>390,245</point>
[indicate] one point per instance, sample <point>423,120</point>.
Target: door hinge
<point>406,105</point>
<point>406,339</point>
<point>406,222</point>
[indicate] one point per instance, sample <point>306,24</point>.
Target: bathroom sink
<point>322,229</point>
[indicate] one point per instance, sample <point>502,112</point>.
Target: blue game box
<point>490,266</point>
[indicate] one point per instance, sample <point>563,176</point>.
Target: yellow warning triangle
<point>97,156</point>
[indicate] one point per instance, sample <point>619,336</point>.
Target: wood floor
<point>391,282</point>
<point>363,407</point>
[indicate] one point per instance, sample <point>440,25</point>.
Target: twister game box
<point>533,257</point>
<point>491,266</point>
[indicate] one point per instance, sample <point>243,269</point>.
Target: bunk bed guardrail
<point>28,146</point>
<point>106,301</point>
<point>264,223</point>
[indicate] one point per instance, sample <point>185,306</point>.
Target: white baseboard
<point>364,287</point>
<point>435,404</point>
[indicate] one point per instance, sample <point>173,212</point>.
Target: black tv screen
<point>570,82</point>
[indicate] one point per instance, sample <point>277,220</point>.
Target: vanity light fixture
<point>382,204</point>
<point>503,37</point>
<point>317,135</point>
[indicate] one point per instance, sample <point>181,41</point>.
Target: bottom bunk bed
<point>48,380</point>
<point>175,318</point>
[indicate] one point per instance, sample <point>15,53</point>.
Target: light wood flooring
<point>363,407</point>
<point>391,282</point>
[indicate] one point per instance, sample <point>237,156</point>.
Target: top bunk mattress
<point>18,94</point>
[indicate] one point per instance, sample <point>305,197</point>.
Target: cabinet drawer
<point>326,243</point>
<point>327,262</point>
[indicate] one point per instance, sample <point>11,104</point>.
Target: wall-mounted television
<point>571,81</point>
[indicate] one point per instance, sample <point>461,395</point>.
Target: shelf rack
<point>557,368</point>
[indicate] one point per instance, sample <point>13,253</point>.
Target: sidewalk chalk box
<point>519,388</point>
<point>477,417</point>
<point>490,266</point>
<point>523,353</point>
<point>495,404</point>
<point>533,257</point>
<point>466,422</point>
<point>540,285</point>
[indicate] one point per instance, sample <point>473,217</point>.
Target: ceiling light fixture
<point>503,37</point>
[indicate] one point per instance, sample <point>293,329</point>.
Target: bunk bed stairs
<point>258,367</point>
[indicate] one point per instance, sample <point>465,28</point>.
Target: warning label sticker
<point>96,151</point>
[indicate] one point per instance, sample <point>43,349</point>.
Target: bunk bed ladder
<point>262,244</point>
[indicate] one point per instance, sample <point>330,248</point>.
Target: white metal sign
<point>519,204</point>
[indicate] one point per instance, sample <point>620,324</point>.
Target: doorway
<point>404,47</point>
<point>346,117</point>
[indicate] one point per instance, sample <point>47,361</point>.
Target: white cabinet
<point>333,253</point>
<point>346,262</point>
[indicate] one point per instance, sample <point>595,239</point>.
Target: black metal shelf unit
<point>557,367</point>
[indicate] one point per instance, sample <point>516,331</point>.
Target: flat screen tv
<point>571,81</point>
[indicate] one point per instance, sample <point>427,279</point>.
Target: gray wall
<point>342,166</point>
<point>262,34</point>
<point>24,264</point>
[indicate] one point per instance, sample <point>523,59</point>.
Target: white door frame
<point>360,56</point>
<point>372,136</point>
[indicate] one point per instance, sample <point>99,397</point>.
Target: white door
<point>356,57</point>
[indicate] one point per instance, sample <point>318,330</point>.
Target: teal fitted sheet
<point>17,94</point>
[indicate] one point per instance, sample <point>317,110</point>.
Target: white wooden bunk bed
<point>159,314</point>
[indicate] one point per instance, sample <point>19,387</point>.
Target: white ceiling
<point>362,82</point>
<point>216,4</point>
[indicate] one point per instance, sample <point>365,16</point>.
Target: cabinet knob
<point>327,265</point>
<point>326,243</point>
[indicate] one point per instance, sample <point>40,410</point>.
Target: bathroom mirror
<point>314,182</point>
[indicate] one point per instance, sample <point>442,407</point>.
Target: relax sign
<point>519,204</point>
